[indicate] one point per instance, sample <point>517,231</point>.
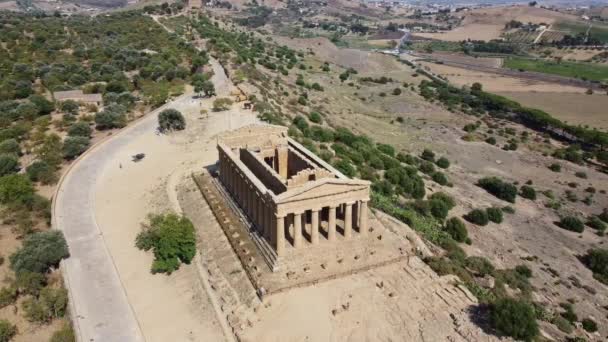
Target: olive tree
<point>171,120</point>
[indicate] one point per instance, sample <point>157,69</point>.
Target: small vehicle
<point>138,157</point>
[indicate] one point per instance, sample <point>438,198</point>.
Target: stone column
<point>314,229</point>
<point>267,223</point>
<point>331,224</point>
<point>297,230</point>
<point>348,221</point>
<point>280,235</point>
<point>363,224</point>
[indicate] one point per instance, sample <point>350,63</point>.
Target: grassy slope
<point>568,69</point>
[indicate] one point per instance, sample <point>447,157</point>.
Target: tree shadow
<point>480,316</point>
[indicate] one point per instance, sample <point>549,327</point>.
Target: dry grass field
<point>575,108</point>
<point>494,82</point>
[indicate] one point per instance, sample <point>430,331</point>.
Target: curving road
<point>99,303</point>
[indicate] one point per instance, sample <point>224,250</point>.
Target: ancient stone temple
<point>292,198</point>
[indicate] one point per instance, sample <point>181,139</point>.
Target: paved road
<point>100,306</point>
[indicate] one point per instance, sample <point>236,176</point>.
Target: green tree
<point>515,318</point>
<point>80,129</point>
<point>75,146</point>
<point>39,252</point>
<point>171,120</point>
<point>172,239</point>
<point>44,106</point>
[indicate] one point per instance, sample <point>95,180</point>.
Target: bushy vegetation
<point>515,318</point>
<point>478,217</point>
<point>221,104</point>
<point>39,252</point>
<point>494,214</point>
<point>171,120</point>
<point>457,229</point>
<point>596,260</point>
<point>7,330</point>
<point>51,303</point>
<point>499,188</point>
<point>572,223</point>
<point>478,102</point>
<point>172,239</point>
<point>528,192</point>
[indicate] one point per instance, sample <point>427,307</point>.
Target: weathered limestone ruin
<point>292,198</point>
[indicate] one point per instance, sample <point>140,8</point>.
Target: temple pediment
<point>322,188</point>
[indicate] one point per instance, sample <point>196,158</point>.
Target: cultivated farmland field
<point>567,69</point>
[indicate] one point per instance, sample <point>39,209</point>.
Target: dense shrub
<point>346,168</point>
<point>562,324</point>
<point>480,266</point>
<point>439,178</point>
<point>491,140</point>
<point>39,252</point>
<point>499,188</point>
<point>439,209</point>
<point>589,325</point>
<point>110,118</point>
<point>569,313</point>
<point>572,223</point>
<point>8,164</point>
<point>80,129</point>
<point>15,189</point>
<point>75,146</point>
<point>8,296</point>
<point>52,303</point>
<point>523,270</point>
<point>494,214</point>
<point>29,282</point>
<point>443,163</point>
<point>515,318</point>
<point>315,117</point>
<point>596,260</point>
<point>10,146</point>
<point>172,240</point>
<point>555,167</point>
<point>7,330</point>
<point>528,192</point>
<point>427,167</point>
<point>171,120</point>
<point>478,217</point>
<point>595,223</point>
<point>41,171</point>
<point>457,229</point>
<point>386,149</point>
<point>428,155</point>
